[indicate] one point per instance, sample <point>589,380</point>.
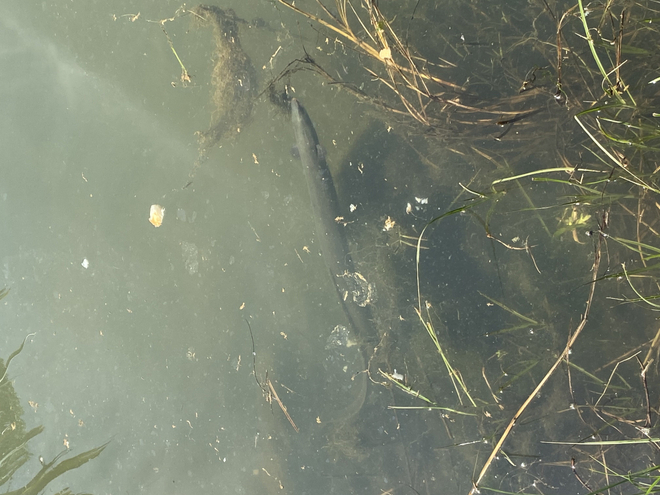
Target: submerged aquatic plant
<point>591,90</point>
<point>14,452</point>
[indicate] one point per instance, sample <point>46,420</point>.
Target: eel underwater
<point>330,234</point>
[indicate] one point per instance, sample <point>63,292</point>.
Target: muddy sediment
<point>233,79</point>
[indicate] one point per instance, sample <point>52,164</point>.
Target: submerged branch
<point>562,357</point>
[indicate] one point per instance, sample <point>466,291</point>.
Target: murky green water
<point>140,332</point>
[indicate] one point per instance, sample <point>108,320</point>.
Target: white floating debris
<point>422,201</point>
<point>85,263</point>
<point>156,214</point>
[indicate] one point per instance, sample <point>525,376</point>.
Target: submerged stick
<point>267,387</point>
<point>282,406</point>
<point>562,357</point>
<point>343,29</point>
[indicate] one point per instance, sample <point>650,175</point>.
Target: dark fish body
<point>329,233</point>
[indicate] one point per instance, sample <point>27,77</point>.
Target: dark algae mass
<point>233,78</point>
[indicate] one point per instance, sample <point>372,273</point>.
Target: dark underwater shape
<point>329,233</point>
